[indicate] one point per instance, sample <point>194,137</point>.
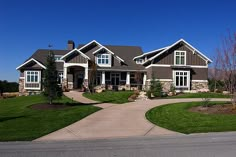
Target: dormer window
<point>103,59</point>
<point>57,57</point>
<point>180,57</point>
<point>139,61</point>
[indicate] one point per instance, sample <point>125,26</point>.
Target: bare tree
<point>92,76</point>
<point>215,73</point>
<point>138,78</point>
<point>227,64</point>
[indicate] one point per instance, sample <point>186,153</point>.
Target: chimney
<point>70,45</point>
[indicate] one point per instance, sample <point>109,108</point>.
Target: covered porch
<point>120,80</point>
<point>75,76</point>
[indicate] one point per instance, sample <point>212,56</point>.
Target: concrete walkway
<point>115,121</point>
<point>78,96</point>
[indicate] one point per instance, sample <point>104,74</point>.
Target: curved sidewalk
<point>78,96</point>
<point>124,120</point>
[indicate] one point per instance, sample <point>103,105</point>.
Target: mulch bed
<point>47,106</point>
<point>215,109</point>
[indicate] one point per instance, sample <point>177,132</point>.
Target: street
<point>198,145</point>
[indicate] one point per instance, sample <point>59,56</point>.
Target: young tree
<point>51,87</point>
<point>227,63</point>
<point>155,87</point>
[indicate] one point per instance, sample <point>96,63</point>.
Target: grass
<point>176,117</point>
<point>116,97</point>
<point>18,122</point>
<point>200,95</point>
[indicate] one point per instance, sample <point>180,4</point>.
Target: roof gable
<point>150,52</point>
<point>75,51</point>
<point>31,60</point>
<point>187,44</point>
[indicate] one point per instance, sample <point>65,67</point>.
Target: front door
<point>115,80</point>
<point>80,80</point>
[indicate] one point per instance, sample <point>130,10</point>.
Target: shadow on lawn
<point>3,119</point>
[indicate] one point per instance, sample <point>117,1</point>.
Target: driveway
<point>115,121</point>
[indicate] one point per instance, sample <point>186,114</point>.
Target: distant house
<point>118,67</point>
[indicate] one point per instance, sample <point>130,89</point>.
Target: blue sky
<point>26,26</point>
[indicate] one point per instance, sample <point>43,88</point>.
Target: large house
<point>119,67</point>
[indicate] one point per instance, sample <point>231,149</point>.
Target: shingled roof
<point>126,53</point>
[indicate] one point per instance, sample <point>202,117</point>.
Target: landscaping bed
<point>200,95</point>
<point>30,117</point>
<point>178,117</point>
<point>214,109</point>
<point>116,97</point>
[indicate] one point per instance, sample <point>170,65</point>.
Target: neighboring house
<point>119,67</point>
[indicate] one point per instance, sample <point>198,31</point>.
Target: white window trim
<point>61,76</point>
<point>38,82</point>
<point>168,65</point>
<point>102,64</point>
<point>139,61</point>
<point>188,78</point>
<point>185,57</point>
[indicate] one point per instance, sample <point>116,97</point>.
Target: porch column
<point>65,73</point>
<point>103,77</point>
<point>128,78</point>
<point>144,78</point>
<point>86,73</point>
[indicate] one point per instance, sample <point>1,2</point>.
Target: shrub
<point>132,97</point>
<point>205,100</point>
<point>172,89</point>
<point>157,90</point>
<point>149,94</point>
<point>136,92</point>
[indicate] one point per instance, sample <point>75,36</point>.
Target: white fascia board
<point>120,58</point>
<point>168,65</point>
<point>197,51</point>
<point>32,59</point>
<point>98,50</point>
<point>75,49</point>
<point>93,41</point>
<point>181,40</point>
<point>110,69</point>
<point>103,47</point>
<point>150,52</point>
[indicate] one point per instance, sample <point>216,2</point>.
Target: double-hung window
<point>180,57</point>
<point>32,76</point>
<point>103,59</point>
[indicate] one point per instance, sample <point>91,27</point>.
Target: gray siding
<point>166,73</point>
<point>168,57</point>
<point>76,58</point>
<point>199,73</point>
<point>159,72</point>
<point>22,73</point>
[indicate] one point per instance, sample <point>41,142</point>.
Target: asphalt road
<point>200,145</point>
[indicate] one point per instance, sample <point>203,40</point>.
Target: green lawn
<point>177,117</point>
<point>200,95</point>
<point>18,122</point>
<point>116,97</point>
